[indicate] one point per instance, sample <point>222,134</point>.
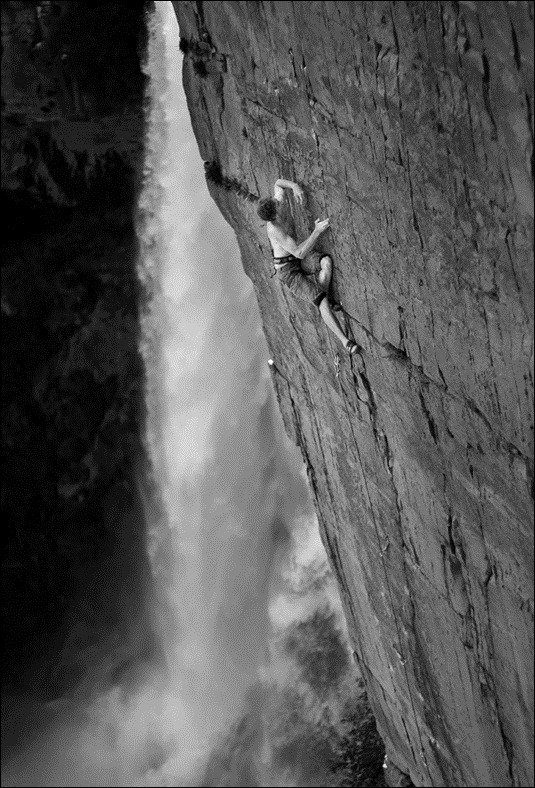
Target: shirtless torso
<point>282,242</point>
<point>278,232</point>
<point>276,247</point>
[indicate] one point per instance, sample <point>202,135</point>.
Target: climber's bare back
<point>281,243</point>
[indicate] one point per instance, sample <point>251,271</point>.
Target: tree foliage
<point>316,645</point>
<point>314,729</point>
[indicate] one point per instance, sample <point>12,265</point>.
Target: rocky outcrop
<point>411,126</point>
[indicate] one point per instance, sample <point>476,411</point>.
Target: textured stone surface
<point>410,125</point>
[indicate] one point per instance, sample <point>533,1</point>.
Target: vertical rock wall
<point>410,124</point>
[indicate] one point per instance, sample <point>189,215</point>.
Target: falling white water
<point>232,487</point>
<point>214,438</point>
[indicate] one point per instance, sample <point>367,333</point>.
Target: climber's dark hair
<point>267,209</point>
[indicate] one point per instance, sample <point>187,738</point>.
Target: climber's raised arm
<point>281,184</point>
<point>288,243</point>
<point>320,226</point>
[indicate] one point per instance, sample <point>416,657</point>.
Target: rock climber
<point>288,254</point>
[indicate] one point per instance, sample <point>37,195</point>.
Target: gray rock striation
<point>410,125</point>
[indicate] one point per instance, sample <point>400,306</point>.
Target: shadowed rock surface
<point>410,125</point>
<point>75,574</point>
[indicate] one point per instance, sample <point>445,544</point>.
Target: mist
<point>232,485</point>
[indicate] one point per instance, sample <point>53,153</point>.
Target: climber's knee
<point>324,276</point>
<point>322,302</point>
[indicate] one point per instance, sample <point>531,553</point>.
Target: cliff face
<point>410,125</point>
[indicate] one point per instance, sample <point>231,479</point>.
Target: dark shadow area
<point>76,583</point>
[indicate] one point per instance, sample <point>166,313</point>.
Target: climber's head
<point>267,209</point>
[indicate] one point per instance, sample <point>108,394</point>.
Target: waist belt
<point>285,260</point>
<point>282,261</point>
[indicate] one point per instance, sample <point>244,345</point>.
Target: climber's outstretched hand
<point>321,225</point>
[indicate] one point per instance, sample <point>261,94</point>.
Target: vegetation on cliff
<point>307,721</point>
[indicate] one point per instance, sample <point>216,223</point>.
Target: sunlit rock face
<point>72,382</point>
<point>410,126</point>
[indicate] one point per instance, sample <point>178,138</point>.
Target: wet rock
<point>393,776</point>
<point>410,126</point>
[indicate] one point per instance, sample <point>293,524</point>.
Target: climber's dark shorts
<point>301,284</point>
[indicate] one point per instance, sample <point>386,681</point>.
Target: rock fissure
<point>400,355</point>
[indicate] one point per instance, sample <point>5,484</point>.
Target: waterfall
<point>228,485</point>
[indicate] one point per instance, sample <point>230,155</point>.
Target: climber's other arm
<point>281,184</point>
<point>302,249</point>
